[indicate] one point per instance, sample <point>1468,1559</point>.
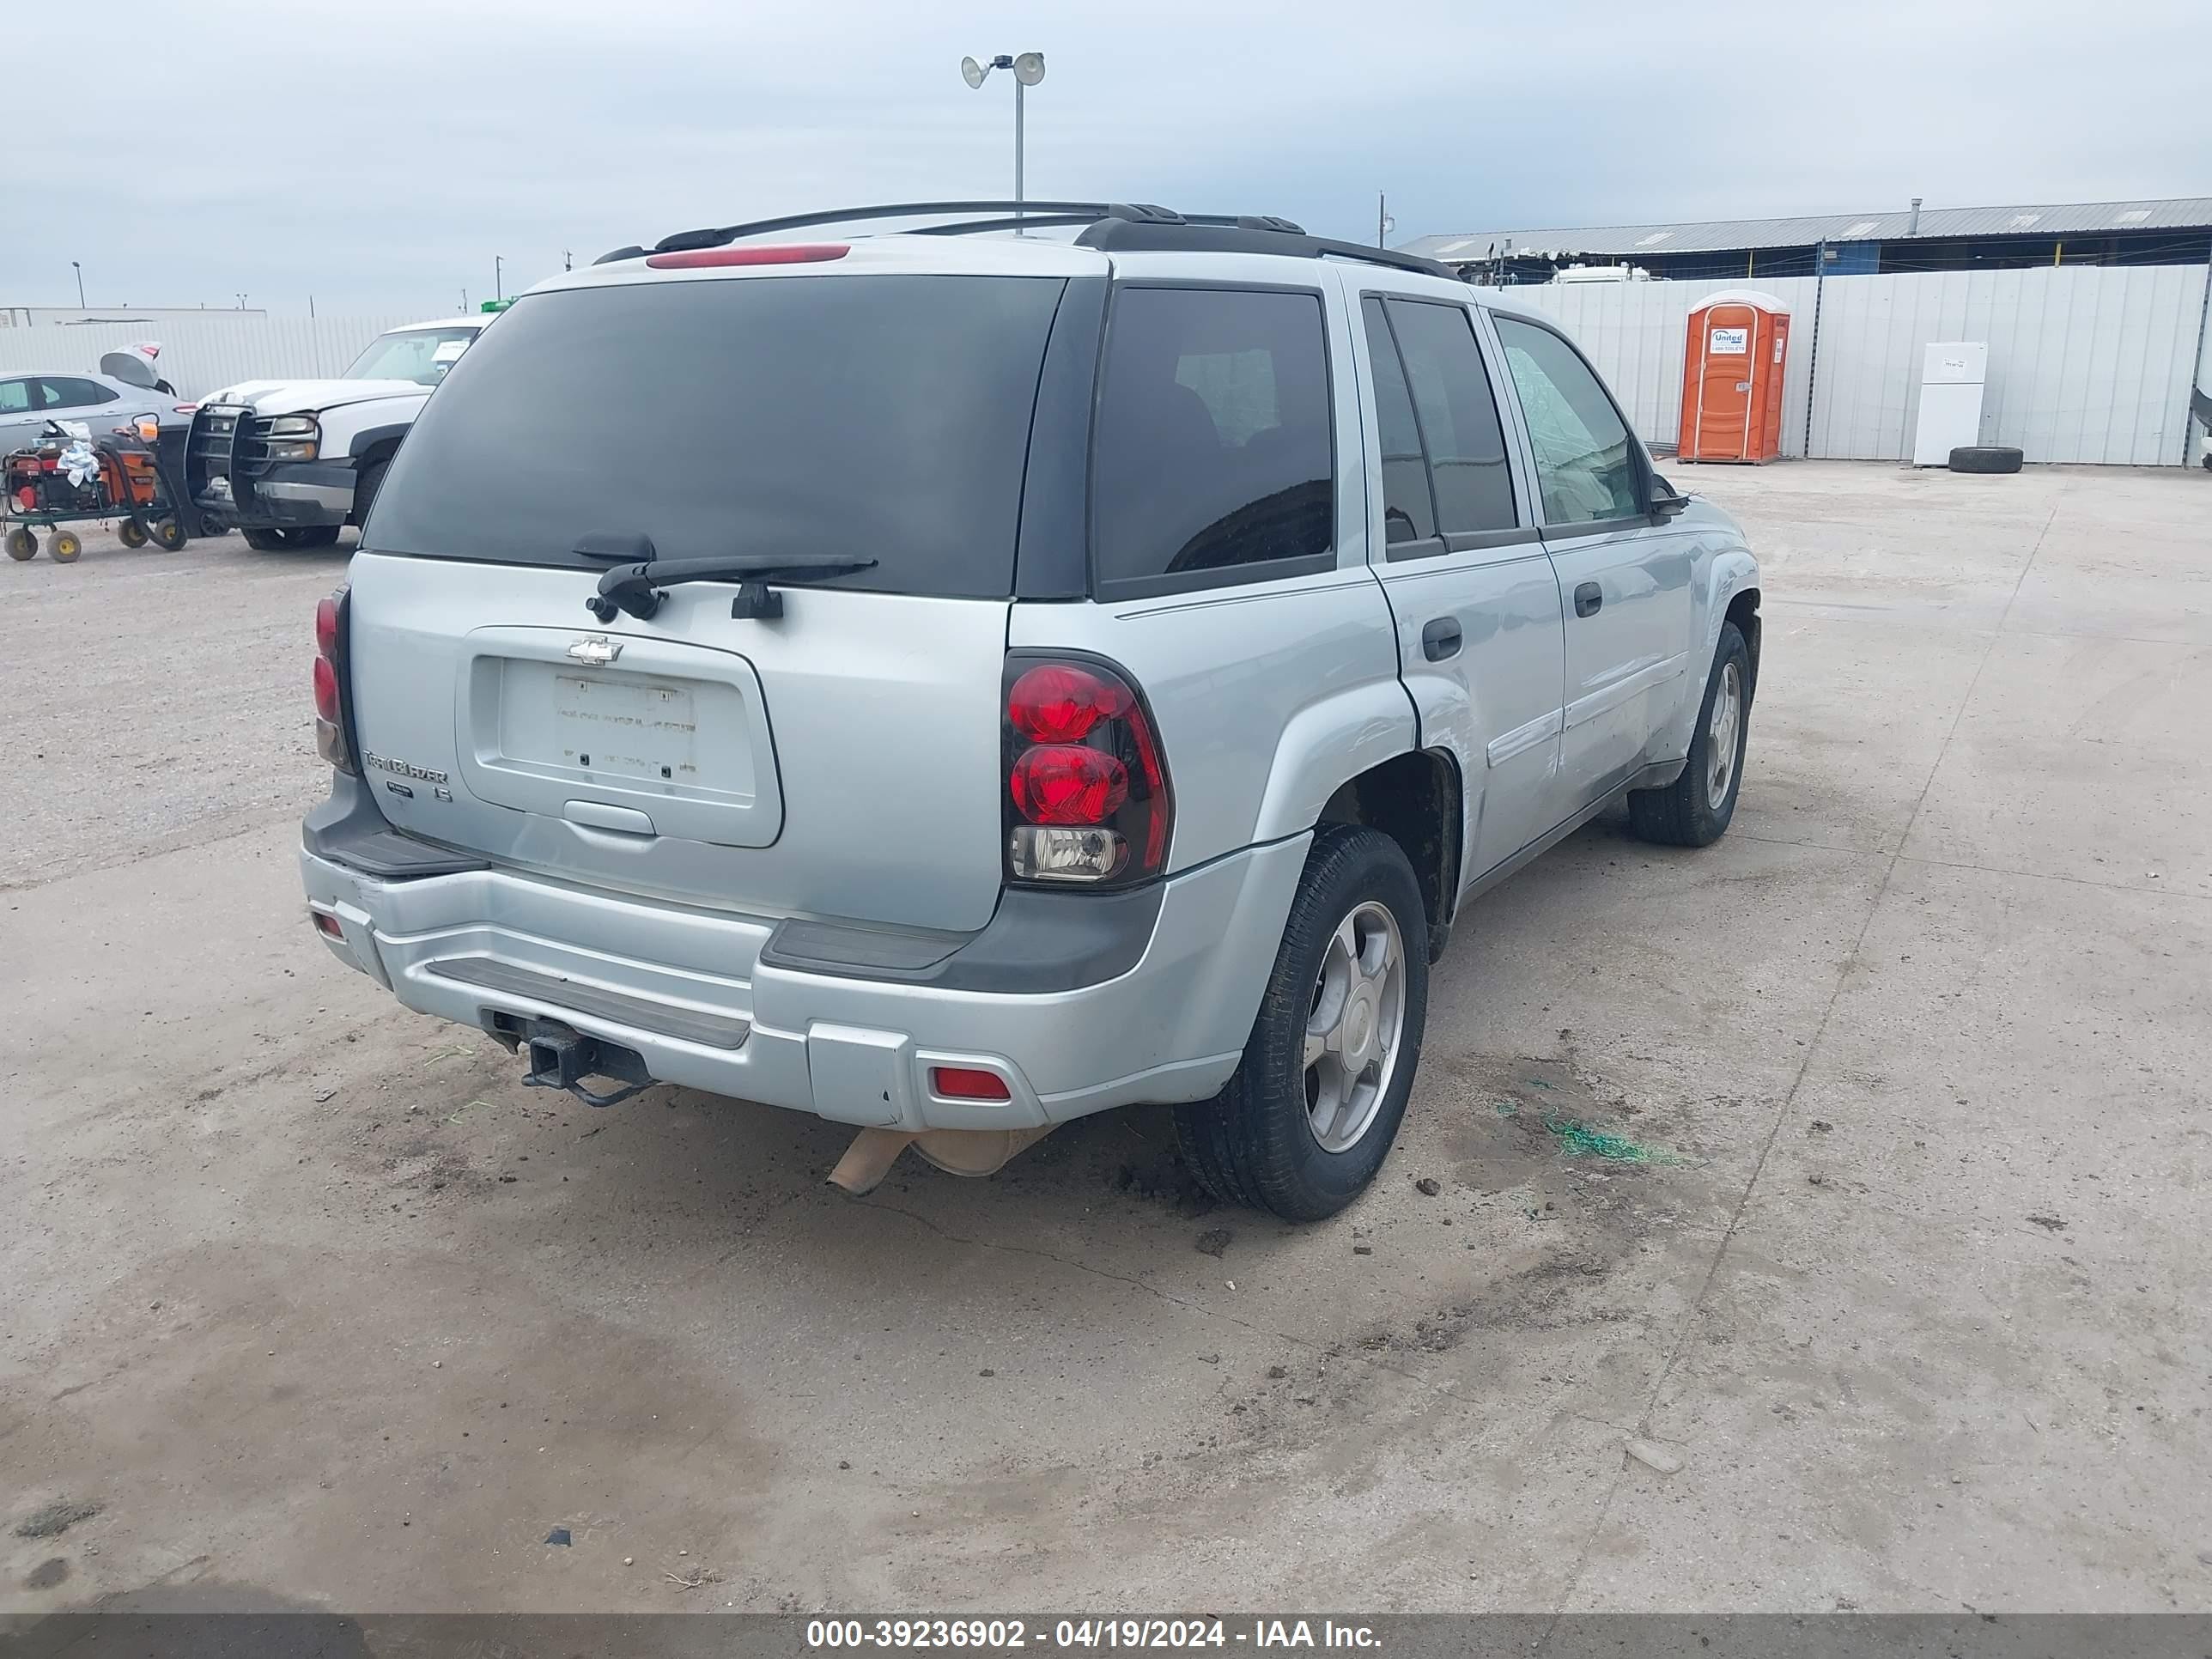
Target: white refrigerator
<point>1951,378</point>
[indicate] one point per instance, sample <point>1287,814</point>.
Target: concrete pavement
<point>317,1303</point>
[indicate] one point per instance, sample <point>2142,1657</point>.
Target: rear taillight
<point>330,683</point>
<point>1086,798</point>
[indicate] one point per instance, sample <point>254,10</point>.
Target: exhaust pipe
<point>973,1152</point>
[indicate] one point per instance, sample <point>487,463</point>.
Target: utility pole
<point>311,305</point>
<point>1813,345</point>
<point>568,260</point>
<point>1385,224</point>
<point>498,277</point>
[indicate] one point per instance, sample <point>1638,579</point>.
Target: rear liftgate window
<point>887,418</point>
<point>1214,460</point>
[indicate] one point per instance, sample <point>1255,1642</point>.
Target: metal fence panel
<point>1634,332</point>
<point>2086,363</point>
<point>200,354</point>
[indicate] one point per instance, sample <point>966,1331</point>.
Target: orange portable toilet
<point>1732,367</point>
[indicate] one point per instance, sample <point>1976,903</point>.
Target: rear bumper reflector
<point>488,972</point>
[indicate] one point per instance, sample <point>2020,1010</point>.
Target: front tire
<point>1694,810</point>
<point>1311,1112</point>
<point>65,548</point>
<point>291,541</point>
<point>365,488</point>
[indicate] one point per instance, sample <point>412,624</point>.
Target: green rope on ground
<point>1579,1140</point>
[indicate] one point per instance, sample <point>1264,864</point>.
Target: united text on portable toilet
<point>1733,363</point>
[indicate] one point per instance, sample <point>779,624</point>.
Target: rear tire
<point>21,544</point>
<point>1985,458</point>
<point>1311,1112</point>
<point>291,541</point>
<point>168,535</point>
<point>1694,810</point>
<point>131,533</point>
<point>65,548</point>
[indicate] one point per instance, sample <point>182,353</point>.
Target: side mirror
<point>1666,502</point>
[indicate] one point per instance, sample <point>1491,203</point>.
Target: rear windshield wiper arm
<point>637,589</point>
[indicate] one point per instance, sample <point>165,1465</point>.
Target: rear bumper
<point>690,991</point>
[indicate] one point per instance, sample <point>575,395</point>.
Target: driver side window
<point>1585,460</point>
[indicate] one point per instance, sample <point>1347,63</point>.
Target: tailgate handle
<point>600,815</point>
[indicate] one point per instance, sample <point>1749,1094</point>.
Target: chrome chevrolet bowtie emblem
<point>595,648</point>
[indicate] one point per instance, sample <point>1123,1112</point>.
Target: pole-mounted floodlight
<point>1027,69</point>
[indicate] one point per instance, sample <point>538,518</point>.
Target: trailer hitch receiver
<point>561,1057</point>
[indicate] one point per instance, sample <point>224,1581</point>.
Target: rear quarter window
<point>883,416</point>
<point>1213,458</point>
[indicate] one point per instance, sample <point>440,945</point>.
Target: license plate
<point>629,726</point>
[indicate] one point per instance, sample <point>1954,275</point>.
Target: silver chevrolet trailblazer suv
<point>952,683</point>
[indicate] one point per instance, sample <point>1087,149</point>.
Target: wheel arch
<point>1728,593</point>
<point>1743,611</point>
<point>1417,798</point>
<point>377,443</point>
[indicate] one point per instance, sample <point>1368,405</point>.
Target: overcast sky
<point>378,156</point>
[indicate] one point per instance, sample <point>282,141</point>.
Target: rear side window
<point>1458,415</point>
<point>883,416</point>
<point>1408,512</point>
<point>75,394</point>
<point>15,396</point>
<point>1213,458</point>
<point>1584,461</point>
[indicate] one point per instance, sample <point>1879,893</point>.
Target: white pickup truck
<point>290,462</point>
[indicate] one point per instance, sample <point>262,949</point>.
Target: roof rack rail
<point>1075,212</point>
<point>1109,226</point>
<point>1244,236</point>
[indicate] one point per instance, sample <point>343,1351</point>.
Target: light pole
<point>498,277</point>
<point>1029,69</point>
<point>79,268</point>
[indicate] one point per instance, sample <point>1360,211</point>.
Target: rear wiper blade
<point>638,589</point>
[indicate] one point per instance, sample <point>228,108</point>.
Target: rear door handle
<point>1587,597</point>
<point>1440,639</point>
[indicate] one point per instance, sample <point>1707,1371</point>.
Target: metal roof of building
<point>2069,219</point>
